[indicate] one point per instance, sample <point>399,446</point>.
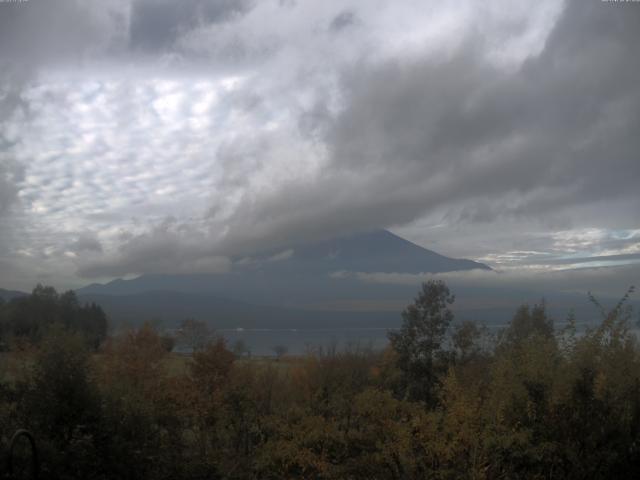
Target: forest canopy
<point>444,400</point>
<point>30,317</point>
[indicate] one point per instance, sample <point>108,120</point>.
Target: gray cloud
<point>559,131</point>
<point>461,133</point>
<point>87,242</point>
<point>456,133</point>
<point>170,247</point>
<point>157,24</point>
<point>9,174</point>
<point>39,32</point>
<point>33,35</point>
<point>608,281</point>
<point>595,259</point>
<point>343,20</point>
<point>477,138</point>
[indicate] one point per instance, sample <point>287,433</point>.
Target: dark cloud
<point>40,32</point>
<point>559,131</point>
<point>342,20</point>
<point>170,247</point>
<point>87,242</point>
<point>9,175</point>
<point>387,130</point>
<point>157,24</point>
<point>456,131</point>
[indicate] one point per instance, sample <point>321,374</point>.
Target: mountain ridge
<point>304,265</point>
<point>7,295</point>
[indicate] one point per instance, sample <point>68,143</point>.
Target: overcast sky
<point>146,136</point>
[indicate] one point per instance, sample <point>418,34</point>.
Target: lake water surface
<point>261,342</point>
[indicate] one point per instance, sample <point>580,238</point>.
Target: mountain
<point>299,274</point>
<point>377,251</point>
<point>7,295</point>
<point>325,286</point>
<point>293,286</point>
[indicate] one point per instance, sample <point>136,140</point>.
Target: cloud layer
<point>142,137</point>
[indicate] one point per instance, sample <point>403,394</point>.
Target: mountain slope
<point>7,295</point>
<point>300,272</point>
<point>377,251</point>
<point>291,287</point>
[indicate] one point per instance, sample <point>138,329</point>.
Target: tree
<point>211,366</point>
<point>3,321</point>
<point>94,324</point>
<point>466,339</point>
<point>194,334</point>
<point>168,342</point>
<point>240,348</point>
<point>31,316</point>
<point>418,343</point>
<point>280,351</point>
<point>527,323</point>
<point>62,405</point>
<point>63,395</point>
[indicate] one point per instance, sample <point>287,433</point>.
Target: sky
<point>155,136</point>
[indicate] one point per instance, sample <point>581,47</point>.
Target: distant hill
<point>7,295</point>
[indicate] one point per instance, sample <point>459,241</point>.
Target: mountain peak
<point>298,267</point>
<point>376,251</point>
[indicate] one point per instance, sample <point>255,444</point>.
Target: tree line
<point>445,400</point>
<point>28,318</point>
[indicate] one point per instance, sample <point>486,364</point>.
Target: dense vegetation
<point>29,318</point>
<point>444,401</point>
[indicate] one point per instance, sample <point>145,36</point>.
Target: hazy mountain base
<point>260,327</point>
<point>290,288</point>
<point>496,308</point>
<point>315,286</point>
